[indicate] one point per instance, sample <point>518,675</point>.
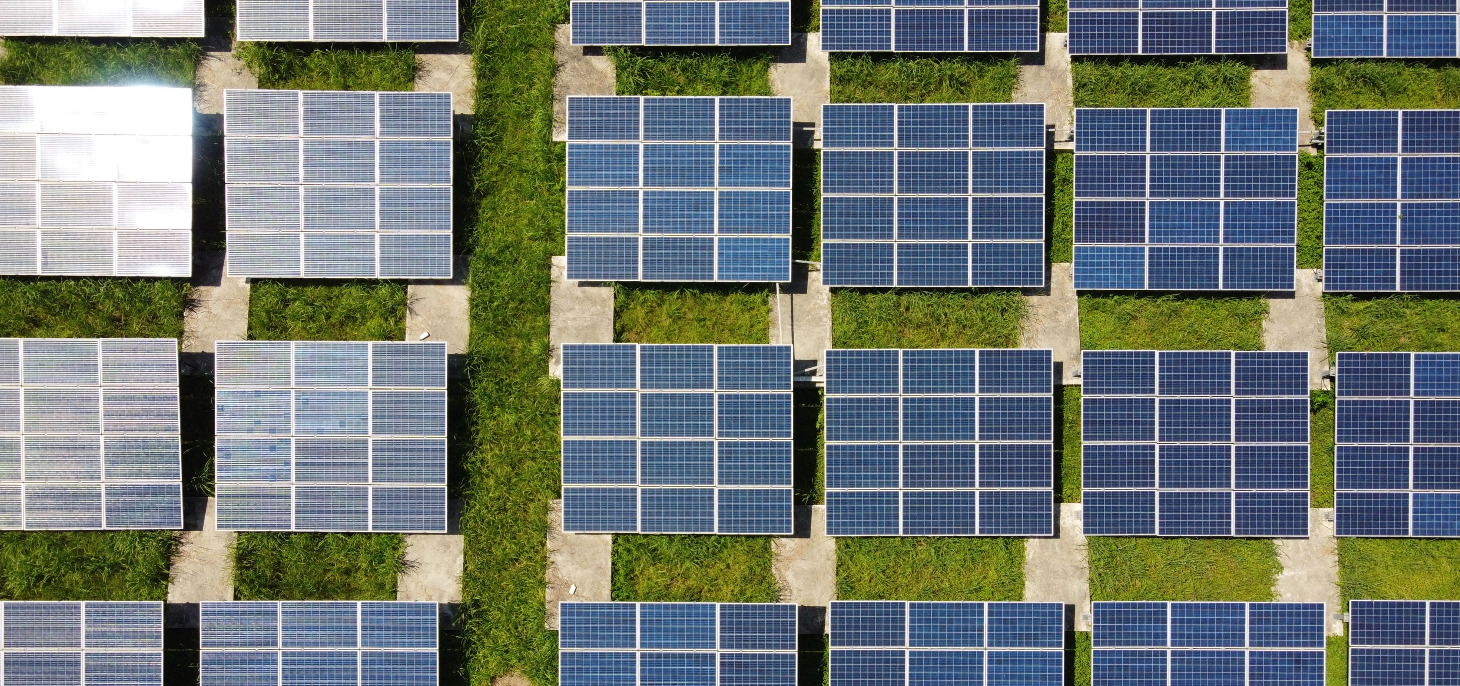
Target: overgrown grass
<point>1310,211</point>
<point>710,314</point>
<point>922,78</point>
<point>1056,20</point>
<point>723,569</point>
<point>86,308</point>
<point>1398,569</point>
<point>353,311</point>
<point>944,568</point>
<point>82,62</point>
<point>1067,448</point>
<point>327,67</point>
<point>1337,659</point>
<point>1062,207</point>
<point>1082,660</point>
<point>1161,82</point>
<point>85,565</point>
<point>1171,322</point>
<point>1182,569</point>
<point>689,71</point>
<point>926,319</point>
<point>1300,20</point>
<point>1320,454</point>
<point>1383,84</point>
<point>1401,322</point>
<point>290,566</point>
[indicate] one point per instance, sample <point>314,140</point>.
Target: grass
<point>81,62</point>
<point>1062,208</point>
<point>1056,20</point>
<point>289,566</point>
<point>1383,84</point>
<point>1300,20</point>
<point>945,568</point>
<point>1067,446</point>
<point>1401,322</point>
<point>1320,460</point>
<point>723,569</point>
<point>1082,648</point>
<point>926,319</point>
<point>922,78</point>
<point>325,67</point>
<point>1398,569</point>
<point>680,71</point>
<point>85,565</point>
<point>1310,211</point>
<point>710,314</point>
<point>1337,673</point>
<point>1182,569</point>
<point>1171,322</point>
<point>352,311</point>
<point>86,308</point>
<point>1162,82</point>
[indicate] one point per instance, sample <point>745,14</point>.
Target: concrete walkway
<point>579,314</point>
<point>1054,321</point>
<point>802,72</point>
<point>580,72</point>
<point>1296,322</point>
<point>1282,81</point>
<point>805,568</point>
<point>1057,570</point>
<point>801,316</point>
<point>439,311</point>
<point>448,73</point>
<point>202,567</point>
<point>434,563</point>
<point>1046,78</point>
<point>580,566</point>
<point>1310,568</point>
<point>217,72</point>
<point>217,307</point>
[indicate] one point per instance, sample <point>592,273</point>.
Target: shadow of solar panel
<point>346,20</point>
<point>1402,640</point>
<point>721,22</point>
<point>130,18</point>
<point>975,26</point>
<point>82,643</point>
<point>1193,27</point>
<point>1234,643</point>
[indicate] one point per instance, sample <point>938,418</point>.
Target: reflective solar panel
<point>679,188</point>
<point>1373,28</point>
<point>939,443</point>
<point>81,644</point>
<point>1403,642</point>
<point>933,195</point>
<point>1186,199</point>
<point>347,20</point>
<point>329,184</point>
<point>330,436</point>
<point>134,18</point>
<point>677,438</point>
<point>1167,644</point>
<point>942,26</point>
<point>339,643</point>
<point>1184,27</point>
<point>697,22</point>
<point>1195,443</point>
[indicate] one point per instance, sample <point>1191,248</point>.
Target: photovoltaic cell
<point>933,195</point>
<point>81,643</point>
<point>1403,641</point>
<point>1183,27</point>
<point>943,26</point>
<point>330,436</point>
<point>1195,443</point>
<point>124,18</point>
<point>1167,644</point>
<point>355,21</point>
<point>696,22</point>
<point>1374,28</point>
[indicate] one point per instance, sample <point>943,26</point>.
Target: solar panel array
<point>914,643</point>
<point>347,20</point>
<point>134,18</point>
<point>340,643</point>
<point>1397,441</point>
<point>1178,27</point>
<point>1395,642</point>
<point>933,195</point>
<point>1169,644</point>
<point>1376,28</point>
<point>939,443</point>
<point>677,438</point>
<point>941,26</point>
<point>1186,199</point>
<point>327,184</point>
<point>1391,200</point>
<point>96,181</point>
<point>697,22</point>
<point>1195,443</point>
<point>679,189</point>
<point>81,644</point>
<point>330,436</point>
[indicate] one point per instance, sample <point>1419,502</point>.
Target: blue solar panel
<point>1195,443</point>
<point>1185,199</point>
<point>1170,644</point>
<point>939,443</point>
<point>951,26</point>
<point>679,188</point>
<point>720,22</point>
<point>81,643</point>
<point>677,438</point>
<point>1403,641</point>
<point>1187,27</point>
<point>933,195</point>
<point>1367,28</point>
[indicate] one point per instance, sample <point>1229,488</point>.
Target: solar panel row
<point>1183,27</point>
<point>134,18</point>
<point>81,644</point>
<point>1376,28</point>
<point>941,26</point>
<point>697,22</point>
<point>1403,642</point>
<point>1157,643</point>
<point>347,20</point>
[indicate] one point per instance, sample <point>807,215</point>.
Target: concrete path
<point>1057,570</point>
<point>438,310</point>
<point>805,568</point>
<point>801,316</point>
<point>580,72</point>
<point>802,72</point>
<point>433,569</point>
<point>1282,81</point>
<point>580,566</point>
<point>202,567</point>
<point>217,307</point>
<point>1296,322</point>
<point>1054,321</point>
<point>1046,78</point>
<point>1310,568</point>
<point>448,73</point>
<point>217,72</point>
<point>579,314</point>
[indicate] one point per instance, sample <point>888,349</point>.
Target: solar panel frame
<point>355,21</point>
<point>1189,27</point>
<point>636,22</point>
<point>92,643</point>
<point>1384,30</point>
<point>944,26</point>
<point>132,18</point>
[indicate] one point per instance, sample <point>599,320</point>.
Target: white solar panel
<point>330,436</point>
<point>96,181</point>
<point>134,18</point>
<point>329,184</point>
<point>347,20</point>
<point>81,644</point>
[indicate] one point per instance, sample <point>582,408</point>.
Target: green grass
<point>81,62</point>
<point>1320,461</point>
<point>1056,20</point>
<point>353,311</point>
<point>85,565</point>
<point>1383,84</point>
<point>1082,650</point>
<point>1162,82</point>
<point>1062,209</point>
<point>86,308</point>
<point>1398,569</point>
<point>682,569</point>
<point>384,68</point>
<point>1337,659</point>
<point>681,71</point>
<point>649,314</point>
<point>926,319</point>
<point>1392,323</point>
<point>922,78</point>
<point>1300,20</point>
<point>1310,211</point>
<point>1067,446</point>
<point>917,568</point>
<point>1171,322</point>
<point>1182,569</point>
<point>289,566</point>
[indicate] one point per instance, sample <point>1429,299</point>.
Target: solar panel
<point>677,438</point>
<point>1188,27</point>
<point>1373,28</point>
<point>339,643</point>
<point>330,436</point>
<point>347,20</point>
<point>134,18</point>
<point>328,184</point>
<point>895,643</point>
<point>81,644</point>
<point>96,181</point>
<point>1195,443</point>
<point>943,26</point>
<point>698,22</point>
<point>939,443</point>
<point>933,195</point>
<point>679,189</point>
<point>1394,642</point>
<point>1238,644</point>
<point>1186,199</point>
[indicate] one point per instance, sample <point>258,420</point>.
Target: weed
<point>1171,322</point>
<point>922,78</point>
<point>1388,323</point>
<point>1182,569</point>
<point>1398,569</point>
<point>692,71</point>
<point>330,68</point>
<point>691,314</point>
<point>665,568</point>
<point>305,311</point>
<point>944,568</point>
<point>1310,211</point>
<point>290,566</point>
<point>87,308</point>
<point>85,565</point>
<point>926,319</point>
<point>1383,84</point>
<point>1062,207</point>
<point>1162,82</point>
<point>1320,459</point>
<point>86,62</point>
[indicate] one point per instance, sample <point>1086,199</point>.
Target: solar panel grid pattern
<point>930,26</point>
<point>327,184</point>
<point>1178,27</point>
<point>894,643</point>
<point>1240,644</point>
<point>1195,443</point>
<point>679,189</point>
<point>134,18</point>
<point>1185,199</point>
<point>697,22</point>
<point>933,195</point>
<point>96,181</point>
<point>1376,28</point>
<point>330,436</point>
<point>1397,443</point>
<point>347,20</point>
<point>44,643</point>
<point>334,643</point>
<point>677,438</point>
<point>686,644</point>
<point>1403,642</point>
<point>939,443</point>
<point>1392,200</point>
